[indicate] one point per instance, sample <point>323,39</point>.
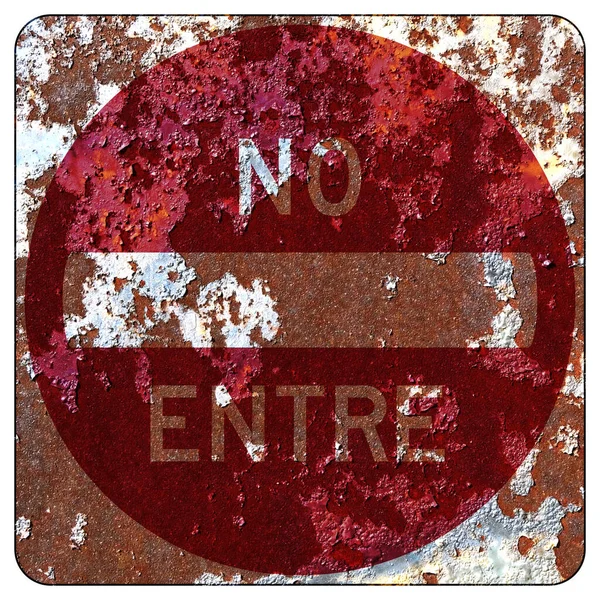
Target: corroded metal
<point>531,531</point>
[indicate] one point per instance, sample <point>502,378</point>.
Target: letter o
<point>334,209</point>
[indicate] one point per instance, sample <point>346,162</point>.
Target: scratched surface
<point>531,531</point>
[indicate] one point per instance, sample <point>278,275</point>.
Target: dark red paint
<point>442,169</point>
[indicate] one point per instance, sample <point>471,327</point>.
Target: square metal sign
<point>299,299</point>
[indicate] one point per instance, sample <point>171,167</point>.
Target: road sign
<point>302,289</point>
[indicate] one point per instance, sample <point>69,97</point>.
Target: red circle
<point>156,171</point>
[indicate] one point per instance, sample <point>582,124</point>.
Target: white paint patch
<point>321,151</point>
<point>225,306</point>
<point>390,284</point>
<point>104,94</point>
<point>419,455</point>
<point>27,363</point>
<point>34,52</point>
<point>212,579</point>
<point>222,396</point>
<point>256,451</point>
<point>574,386</point>
<point>38,148</point>
<point>110,309</point>
<point>505,327</point>
<point>23,528</point>
<point>418,390</point>
<point>498,273</point>
<point>437,257</point>
<point>78,533</point>
<point>404,409</point>
<point>568,439</point>
<point>566,210</point>
<point>85,27</point>
<point>522,480</point>
<point>175,34</point>
<point>237,312</point>
<point>278,580</point>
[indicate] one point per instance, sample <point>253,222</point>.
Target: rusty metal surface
<point>531,69</point>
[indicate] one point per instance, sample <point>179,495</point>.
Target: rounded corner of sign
<point>575,30</point>
<point>33,575</point>
<point>577,569</point>
<point>27,25</point>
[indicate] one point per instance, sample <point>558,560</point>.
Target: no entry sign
<point>300,300</point>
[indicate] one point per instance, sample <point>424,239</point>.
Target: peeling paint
<point>505,325</point>
<point>78,533</point>
<point>28,364</point>
<point>438,257</point>
<point>497,66</point>
<point>574,386</point>
<point>522,482</point>
<point>525,66</point>
<point>390,283</point>
<point>112,312</point>
<point>483,550</point>
<point>498,275</point>
<point>23,528</point>
<point>222,396</point>
<point>256,312</point>
<point>567,439</point>
<point>212,579</point>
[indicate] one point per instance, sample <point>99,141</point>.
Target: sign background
<point>48,477</point>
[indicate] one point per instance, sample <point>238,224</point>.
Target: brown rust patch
<point>525,544</point>
<point>430,578</point>
<point>53,490</point>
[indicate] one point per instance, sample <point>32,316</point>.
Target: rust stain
<point>68,67</point>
